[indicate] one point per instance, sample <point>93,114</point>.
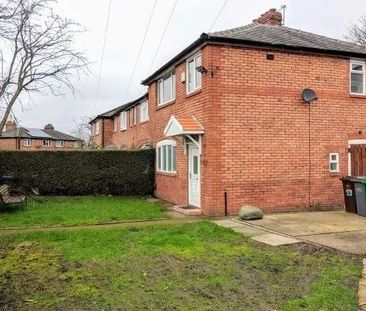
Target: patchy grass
<point>196,266</point>
<point>50,211</point>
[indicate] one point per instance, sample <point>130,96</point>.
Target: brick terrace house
<point>230,126</point>
<point>26,139</point>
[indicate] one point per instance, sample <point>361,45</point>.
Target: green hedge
<point>82,172</point>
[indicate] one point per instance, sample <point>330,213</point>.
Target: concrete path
<point>137,223</point>
<point>338,230</point>
<point>258,234</point>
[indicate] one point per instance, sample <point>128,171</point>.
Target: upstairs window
<point>132,115</point>
<point>334,162</point>
<point>123,120</point>
<point>194,78</point>
<point>166,89</point>
<point>27,142</point>
<point>357,77</point>
<point>166,156</point>
<point>144,111</point>
<point>47,143</point>
<point>59,143</point>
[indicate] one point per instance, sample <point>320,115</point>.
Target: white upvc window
<point>47,143</point>
<point>27,142</point>
<point>194,78</point>
<point>76,144</point>
<point>144,111</point>
<point>132,113</point>
<point>123,120</point>
<point>97,128</point>
<point>166,156</point>
<point>357,77</point>
<point>166,89</point>
<point>334,162</point>
<point>59,143</point>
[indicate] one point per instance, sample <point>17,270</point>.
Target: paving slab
<point>311,223</point>
<point>275,239</point>
<point>353,242</point>
<point>248,230</point>
<point>227,223</point>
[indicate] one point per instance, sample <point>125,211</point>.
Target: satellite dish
<point>309,95</point>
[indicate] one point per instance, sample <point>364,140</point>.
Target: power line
<point>140,50</point>
<point>162,37</point>
<point>103,51</point>
<point>218,15</point>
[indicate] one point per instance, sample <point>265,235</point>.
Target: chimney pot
<point>271,17</point>
<point>10,125</point>
<point>49,126</point>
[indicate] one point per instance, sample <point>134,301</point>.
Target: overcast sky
<point>128,21</point>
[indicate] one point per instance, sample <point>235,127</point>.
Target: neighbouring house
<point>230,126</point>
<point>23,138</point>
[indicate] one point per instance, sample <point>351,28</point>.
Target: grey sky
<point>128,22</point>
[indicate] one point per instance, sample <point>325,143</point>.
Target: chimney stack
<point>10,125</point>
<point>49,126</point>
<point>271,17</point>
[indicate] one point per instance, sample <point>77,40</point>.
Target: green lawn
<point>50,211</point>
<point>195,266</point>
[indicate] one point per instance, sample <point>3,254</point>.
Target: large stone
<point>248,212</point>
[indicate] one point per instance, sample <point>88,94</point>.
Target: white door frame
<point>196,203</point>
<point>353,142</point>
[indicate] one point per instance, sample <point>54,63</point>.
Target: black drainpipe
<point>225,197</point>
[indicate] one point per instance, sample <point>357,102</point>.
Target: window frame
<point>47,145</point>
<point>170,75</point>
<point>165,148</point>
<point>144,113</point>
<point>29,142</point>
<point>62,143</point>
<point>363,73</point>
<point>123,117</point>
<point>194,58</point>
<point>331,161</point>
<point>134,116</point>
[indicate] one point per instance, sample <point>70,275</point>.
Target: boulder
<point>248,212</point>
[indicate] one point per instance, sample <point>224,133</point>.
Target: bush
<point>82,172</point>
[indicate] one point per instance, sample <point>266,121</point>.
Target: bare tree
<point>357,32</point>
<point>36,52</point>
<point>82,130</point>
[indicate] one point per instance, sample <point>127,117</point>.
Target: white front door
<point>194,176</point>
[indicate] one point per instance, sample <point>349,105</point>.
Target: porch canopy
<point>185,126</point>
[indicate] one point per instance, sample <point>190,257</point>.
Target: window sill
<point>123,130</point>
<point>334,174</point>
<point>165,105</point>
<point>167,174</point>
<point>357,96</point>
<point>198,91</point>
<point>143,122</point>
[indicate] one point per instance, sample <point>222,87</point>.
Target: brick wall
<point>265,137</point>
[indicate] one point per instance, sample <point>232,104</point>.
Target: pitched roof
<point>111,113</point>
<point>262,35</point>
<point>22,132</point>
<point>281,35</point>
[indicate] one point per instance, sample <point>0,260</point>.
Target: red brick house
<point>27,139</point>
<point>230,126</point>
